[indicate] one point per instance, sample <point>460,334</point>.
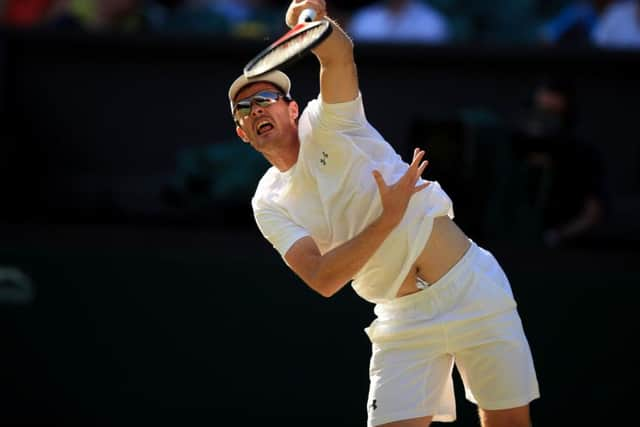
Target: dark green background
<point>156,326</point>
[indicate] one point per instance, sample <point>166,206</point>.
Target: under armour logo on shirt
<point>324,158</point>
<point>374,405</point>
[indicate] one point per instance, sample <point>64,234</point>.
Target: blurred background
<point>135,288</point>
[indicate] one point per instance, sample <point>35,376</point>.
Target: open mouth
<point>263,126</point>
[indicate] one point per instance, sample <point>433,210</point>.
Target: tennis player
<point>341,206</point>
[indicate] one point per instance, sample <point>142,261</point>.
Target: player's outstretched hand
<point>395,198</point>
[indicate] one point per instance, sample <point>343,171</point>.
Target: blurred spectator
<point>564,177</point>
<point>25,13</point>
<point>573,24</point>
<point>619,26</point>
<point>251,18</point>
<point>186,16</point>
<point>120,15</point>
<point>398,21</point>
<point>101,15</point>
<point>490,21</point>
<point>73,15</point>
<point>255,19</point>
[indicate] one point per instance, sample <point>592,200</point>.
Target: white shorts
<point>469,318</point>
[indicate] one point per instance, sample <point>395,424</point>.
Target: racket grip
<point>306,15</point>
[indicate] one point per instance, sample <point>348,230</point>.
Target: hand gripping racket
<point>297,42</point>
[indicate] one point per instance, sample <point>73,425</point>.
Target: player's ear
<point>293,110</point>
<point>242,134</point>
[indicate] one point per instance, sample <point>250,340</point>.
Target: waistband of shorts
<point>446,284</point>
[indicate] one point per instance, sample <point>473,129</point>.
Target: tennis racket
<point>297,42</point>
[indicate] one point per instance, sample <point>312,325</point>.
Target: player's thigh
<point>414,422</point>
<point>497,367</point>
<point>513,417</point>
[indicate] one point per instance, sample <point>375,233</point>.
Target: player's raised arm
<point>338,74</point>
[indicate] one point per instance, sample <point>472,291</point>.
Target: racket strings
<point>296,45</point>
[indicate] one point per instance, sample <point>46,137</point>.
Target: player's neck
<point>286,156</point>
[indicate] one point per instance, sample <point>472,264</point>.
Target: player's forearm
<point>337,48</point>
<point>337,267</point>
<point>338,74</point>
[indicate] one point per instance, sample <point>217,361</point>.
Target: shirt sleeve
<point>343,116</point>
<point>278,228</point>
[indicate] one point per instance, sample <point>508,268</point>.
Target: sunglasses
<point>242,108</point>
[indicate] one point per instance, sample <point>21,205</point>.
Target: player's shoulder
<point>309,120</point>
<point>318,111</point>
<point>268,180</point>
<point>311,110</point>
<point>266,185</point>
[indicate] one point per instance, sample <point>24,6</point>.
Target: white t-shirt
<point>331,195</point>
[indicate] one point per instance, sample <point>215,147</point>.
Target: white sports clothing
<point>467,317</point>
<point>330,194</point>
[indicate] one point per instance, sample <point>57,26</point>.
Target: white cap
<point>276,77</point>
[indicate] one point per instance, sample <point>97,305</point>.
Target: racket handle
<point>306,15</point>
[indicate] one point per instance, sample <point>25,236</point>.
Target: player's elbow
<point>321,275</point>
<point>328,292</point>
<point>326,288</point>
<point>325,293</point>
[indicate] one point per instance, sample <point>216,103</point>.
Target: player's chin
<point>259,141</point>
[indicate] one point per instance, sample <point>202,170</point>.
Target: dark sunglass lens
<point>263,102</point>
<point>243,108</point>
<point>243,104</point>
<point>263,99</point>
<point>268,95</point>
